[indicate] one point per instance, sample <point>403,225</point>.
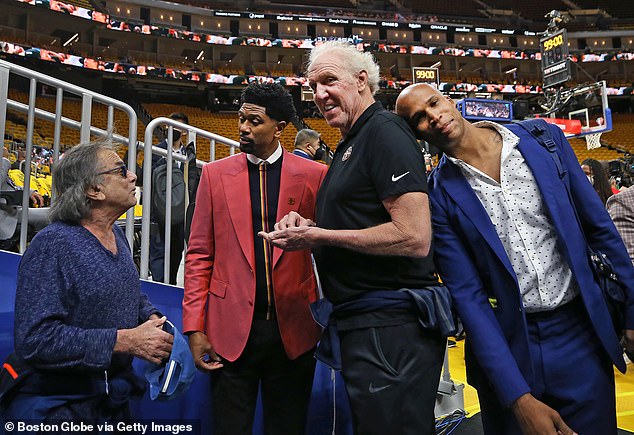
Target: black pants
<point>286,386</point>
<point>391,375</point>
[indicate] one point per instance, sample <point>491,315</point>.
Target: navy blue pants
<point>573,375</point>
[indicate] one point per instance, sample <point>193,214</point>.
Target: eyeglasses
<point>122,170</point>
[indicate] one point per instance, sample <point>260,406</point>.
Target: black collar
<point>367,114</point>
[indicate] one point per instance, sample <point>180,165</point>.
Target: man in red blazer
<point>246,303</point>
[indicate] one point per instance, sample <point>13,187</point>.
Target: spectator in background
<point>598,177</point>
<point>308,145</point>
<point>614,186</point>
<point>20,161</point>
<point>11,212</point>
<point>80,316</point>
<point>179,229</point>
<point>621,209</point>
<point>246,304</point>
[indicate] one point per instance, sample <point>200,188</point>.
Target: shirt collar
<point>507,135</point>
<point>509,139</point>
<point>272,158</point>
<point>301,152</point>
<point>367,113</point>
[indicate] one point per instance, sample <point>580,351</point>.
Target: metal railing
<point>193,133</point>
<point>84,125</point>
<point>86,129</point>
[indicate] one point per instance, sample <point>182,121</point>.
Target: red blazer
<point>220,259</point>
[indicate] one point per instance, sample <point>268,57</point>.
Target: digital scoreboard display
<point>490,110</point>
<point>422,74</point>
<point>555,62</point>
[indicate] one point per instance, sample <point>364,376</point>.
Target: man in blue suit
<point>508,245</point>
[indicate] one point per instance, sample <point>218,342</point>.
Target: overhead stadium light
<point>436,65</point>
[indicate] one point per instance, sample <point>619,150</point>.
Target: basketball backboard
<point>582,110</point>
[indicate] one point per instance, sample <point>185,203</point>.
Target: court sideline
<point>624,394</point>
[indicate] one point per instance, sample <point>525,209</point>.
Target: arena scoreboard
<point>475,109</point>
<point>422,74</point>
<point>555,62</point>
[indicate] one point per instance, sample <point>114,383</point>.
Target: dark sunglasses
<point>122,170</point>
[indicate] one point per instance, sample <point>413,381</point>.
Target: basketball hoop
<point>593,141</point>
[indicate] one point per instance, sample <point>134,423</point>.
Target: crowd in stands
<point>235,74</point>
<point>158,71</point>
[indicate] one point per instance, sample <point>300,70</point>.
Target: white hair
<point>356,61</point>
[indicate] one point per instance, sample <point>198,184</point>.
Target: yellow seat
<point>17,177</point>
<point>138,211</point>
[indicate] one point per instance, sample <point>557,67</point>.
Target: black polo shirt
<point>378,158</point>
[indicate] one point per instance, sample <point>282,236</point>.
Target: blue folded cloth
<point>431,304</point>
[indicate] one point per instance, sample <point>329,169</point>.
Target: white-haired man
<point>372,247</point>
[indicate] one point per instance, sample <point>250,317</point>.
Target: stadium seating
<point>109,45</point>
<point>44,130</point>
<point>621,136</point>
<point>579,145</point>
<point>470,8</point>
<point>530,10</point>
<point>330,135</point>
<point>223,124</point>
<point>18,131</point>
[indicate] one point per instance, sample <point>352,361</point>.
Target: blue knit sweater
<point>72,296</point>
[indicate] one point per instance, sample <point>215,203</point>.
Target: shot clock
<point>555,62</point>
<point>422,74</point>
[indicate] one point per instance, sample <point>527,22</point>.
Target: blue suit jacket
<point>473,264</point>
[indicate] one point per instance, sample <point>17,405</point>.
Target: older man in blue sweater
<point>80,317</point>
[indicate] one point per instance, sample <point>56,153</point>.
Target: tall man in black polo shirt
<point>372,238</point>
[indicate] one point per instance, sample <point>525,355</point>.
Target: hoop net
<point>593,141</point>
